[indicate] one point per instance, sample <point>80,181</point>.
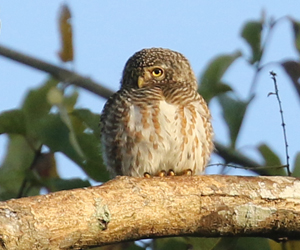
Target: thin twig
<point>245,167</point>
<point>273,76</point>
<point>61,74</point>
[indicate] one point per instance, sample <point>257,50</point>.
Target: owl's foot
<point>161,173</point>
<point>186,172</point>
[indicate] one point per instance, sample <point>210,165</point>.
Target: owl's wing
<point>112,124</point>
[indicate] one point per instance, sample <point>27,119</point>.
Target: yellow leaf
<point>65,28</point>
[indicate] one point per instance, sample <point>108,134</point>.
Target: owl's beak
<point>140,81</point>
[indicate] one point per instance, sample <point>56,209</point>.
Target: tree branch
<point>129,208</point>
<point>61,74</point>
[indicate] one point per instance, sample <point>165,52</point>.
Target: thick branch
<point>130,208</point>
<point>61,74</point>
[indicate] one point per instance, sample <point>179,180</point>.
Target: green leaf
<point>57,184</point>
<point>177,243</point>
<point>233,113</point>
<point>296,29</point>
<point>226,243</point>
<point>17,162</point>
<point>292,68</point>
<point>70,100</point>
<point>91,120</point>
<point>288,245</point>
<point>252,34</point>
<point>36,106</point>
<point>251,243</point>
<point>93,165</point>
<point>296,169</point>
<point>186,243</point>
<point>12,122</point>
<point>271,160</point>
<point>210,80</point>
<point>203,243</point>
<point>51,131</point>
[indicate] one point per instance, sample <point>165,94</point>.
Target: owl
<point>157,121</point>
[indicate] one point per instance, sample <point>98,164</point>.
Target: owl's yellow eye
<point>157,72</point>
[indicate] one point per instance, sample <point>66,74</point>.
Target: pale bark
<point>130,208</point>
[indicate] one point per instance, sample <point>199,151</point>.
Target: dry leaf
<point>65,28</point>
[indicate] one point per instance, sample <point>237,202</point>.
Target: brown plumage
<point>157,120</point>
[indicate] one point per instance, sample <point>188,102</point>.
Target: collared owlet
<point>157,121</point>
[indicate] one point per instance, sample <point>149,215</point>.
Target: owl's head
<point>155,66</point>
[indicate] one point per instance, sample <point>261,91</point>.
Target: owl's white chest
<point>163,137</point>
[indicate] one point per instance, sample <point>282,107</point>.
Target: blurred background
<point>106,33</point>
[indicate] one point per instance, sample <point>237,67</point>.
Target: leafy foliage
<point>73,132</point>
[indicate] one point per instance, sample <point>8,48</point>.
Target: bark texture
<point>129,208</point>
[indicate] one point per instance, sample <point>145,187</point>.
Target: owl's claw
<point>171,172</point>
<point>147,175</point>
<point>162,173</point>
<point>187,172</point>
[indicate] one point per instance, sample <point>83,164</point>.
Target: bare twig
<point>61,74</point>
<point>273,76</point>
<point>245,167</point>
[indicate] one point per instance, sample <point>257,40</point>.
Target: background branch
<point>61,74</point>
<point>129,208</point>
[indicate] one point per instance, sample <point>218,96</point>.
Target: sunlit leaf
<point>210,80</point>
<point>233,112</point>
<point>12,122</point>
<point>251,32</point>
<point>271,160</point>
<point>66,53</point>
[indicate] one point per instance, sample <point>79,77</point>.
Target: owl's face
<point>151,67</point>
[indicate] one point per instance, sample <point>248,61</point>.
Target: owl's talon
<point>171,172</point>
<point>187,172</point>
<point>162,173</point>
<point>147,175</point>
